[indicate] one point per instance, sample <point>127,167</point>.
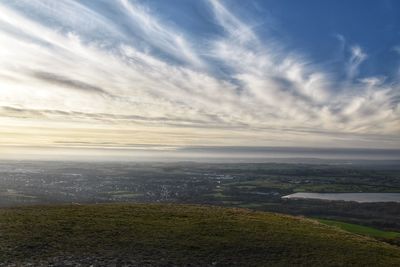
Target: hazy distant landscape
<point>259,186</point>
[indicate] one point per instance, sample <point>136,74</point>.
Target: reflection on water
<point>358,197</point>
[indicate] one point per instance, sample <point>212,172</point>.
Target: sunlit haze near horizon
<point>114,79</point>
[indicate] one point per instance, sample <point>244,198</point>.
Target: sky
<point>128,75</point>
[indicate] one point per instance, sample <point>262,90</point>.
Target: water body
<point>357,197</point>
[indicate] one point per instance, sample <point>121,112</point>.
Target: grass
<point>344,188</point>
<point>361,230</point>
<point>182,235</point>
<point>314,187</point>
<point>263,183</point>
<point>127,195</point>
<point>13,194</point>
<point>219,195</point>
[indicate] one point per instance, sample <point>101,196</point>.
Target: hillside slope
<point>178,235</point>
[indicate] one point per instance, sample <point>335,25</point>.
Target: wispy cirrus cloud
<point>357,57</point>
<point>157,34</point>
<point>148,81</point>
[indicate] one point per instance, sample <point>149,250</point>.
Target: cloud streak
<point>142,79</point>
<point>356,58</point>
<point>67,82</point>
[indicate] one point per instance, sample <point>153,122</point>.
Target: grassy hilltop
<point>178,235</point>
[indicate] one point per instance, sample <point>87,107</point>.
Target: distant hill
<point>178,235</point>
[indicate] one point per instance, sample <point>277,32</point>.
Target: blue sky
<point>170,74</point>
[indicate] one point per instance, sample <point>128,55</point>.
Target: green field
<point>361,230</point>
<point>178,235</point>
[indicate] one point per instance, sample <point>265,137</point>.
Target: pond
<point>357,197</point>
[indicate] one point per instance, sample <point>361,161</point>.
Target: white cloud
<point>158,34</point>
<point>357,57</point>
<point>397,49</point>
<point>77,89</point>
